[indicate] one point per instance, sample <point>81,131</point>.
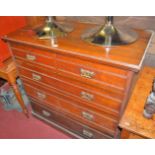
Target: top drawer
<point>89,72</point>
<point>34,55</point>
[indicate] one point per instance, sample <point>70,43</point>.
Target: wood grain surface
<point>133,119</point>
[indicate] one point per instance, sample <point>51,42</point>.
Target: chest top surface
<point>128,56</point>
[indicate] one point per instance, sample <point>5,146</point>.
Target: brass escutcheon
<point>41,95</point>
<point>87,116</point>
<point>87,133</point>
<point>30,57</point>
<point>86,73</point>
<point>87,96</point>
<point>46,113</point>
<point>36,77</point>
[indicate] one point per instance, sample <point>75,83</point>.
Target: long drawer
<point>90,117</point>
<point>67,123</point>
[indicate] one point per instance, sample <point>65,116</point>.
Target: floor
<point>14,125</point>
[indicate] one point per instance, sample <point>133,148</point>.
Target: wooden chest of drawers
<point>77,87</point>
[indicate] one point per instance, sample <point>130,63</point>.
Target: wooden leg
<point>19,98</point>
<point>117,133</point>
<point>9,73</point>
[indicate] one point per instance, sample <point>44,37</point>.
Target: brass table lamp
<point>109,35</point>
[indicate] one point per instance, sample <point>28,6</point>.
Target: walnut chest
<point>77,87</point>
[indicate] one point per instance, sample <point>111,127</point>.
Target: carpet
<point>14,125</point>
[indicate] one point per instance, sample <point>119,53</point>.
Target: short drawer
<point>37,50</point>
<point>38,77</point>
<point>41,95</point>
<point>68,123</point>
<point>33,56</point>
<point>107,99</point>
<point>87,71</point>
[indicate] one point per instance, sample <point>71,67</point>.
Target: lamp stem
<point>110,19</point>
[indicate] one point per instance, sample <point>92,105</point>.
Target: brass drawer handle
<point>87,96</point>
<point>30,57</point>
<point>46,113</point>
<point>41,95</point>
<point>87,133</point>
<point>87,116</point>
<point>86,73</point>
<point>36,77</point>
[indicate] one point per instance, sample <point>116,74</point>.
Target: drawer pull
<point>87,96</point>
<point>45,113</point>
<point>87,116</point>
<point>36,77</point>
<point>41,95</point>
<point>87,133</point>
<point>30,57</point>
<point>87,73</point>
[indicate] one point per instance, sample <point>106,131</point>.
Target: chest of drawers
<point>77,87</point>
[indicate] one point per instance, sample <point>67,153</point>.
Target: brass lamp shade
<point>109,35</point>
<point>53,29</point>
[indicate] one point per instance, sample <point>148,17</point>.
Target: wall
<point>8,24</point>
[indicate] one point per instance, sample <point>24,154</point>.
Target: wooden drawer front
<point>31,49</point>
<point>37,77</point>
<point>41,95</point>
<point>35,57</point>
<point>68,123</point>
<point>96,107</point>
<point>91,97</point>
<point>34,67</point>
<point>91,118</point>
<point>111,77</point>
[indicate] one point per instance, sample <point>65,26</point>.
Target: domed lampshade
<point>53,28</point>
<point>108,34</point>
